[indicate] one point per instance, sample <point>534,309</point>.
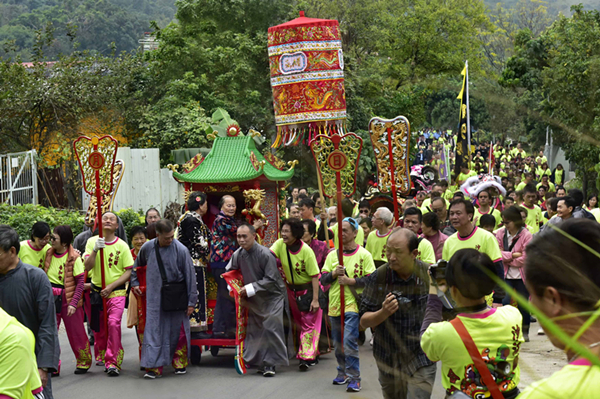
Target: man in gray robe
<point>265,293</point>
<point>26,294</point>
<point>167,334</point>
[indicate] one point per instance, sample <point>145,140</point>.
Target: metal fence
<point>18,178</point>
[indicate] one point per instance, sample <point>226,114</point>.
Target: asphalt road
<point>216,377</point>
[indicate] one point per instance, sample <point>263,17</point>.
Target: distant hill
<point>554,6</point>
<point>99,22</point>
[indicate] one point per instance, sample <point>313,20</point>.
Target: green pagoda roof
<point>232,159</point>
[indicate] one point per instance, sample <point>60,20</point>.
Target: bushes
<point>130,218</point>
<point>22,217</point>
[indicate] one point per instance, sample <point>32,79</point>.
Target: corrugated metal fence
<point>144,184</point>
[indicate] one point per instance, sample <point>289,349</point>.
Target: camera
<point>437,271</point>
<point>403,302</point>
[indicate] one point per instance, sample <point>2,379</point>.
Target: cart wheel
<point>196,355</point>
<point>214,350</point>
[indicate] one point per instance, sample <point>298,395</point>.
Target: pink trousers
<point>75,332</point>
<point>308,327</point>
<point>108,347</point>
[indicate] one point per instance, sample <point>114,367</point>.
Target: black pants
<point>224,320</point>
<point>519,286</point>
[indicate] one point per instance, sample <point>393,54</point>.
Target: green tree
<point>571,84</point>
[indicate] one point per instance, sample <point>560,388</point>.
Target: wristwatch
<point>44,369</point>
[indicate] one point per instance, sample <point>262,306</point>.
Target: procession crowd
<point>448,281</point>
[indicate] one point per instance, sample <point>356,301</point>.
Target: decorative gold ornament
<point>172,167</point>
<point>108,199</point>
<point>273,160</point>
<point>84,149</point>
<point>221,189</point>
<point>193,163</point>
<point>391,137</point>
<point>258,196</point>
<point>341,152</point>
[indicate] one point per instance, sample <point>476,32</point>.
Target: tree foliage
<point>555,78</point>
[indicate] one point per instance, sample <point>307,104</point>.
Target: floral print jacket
<point>224,243</point>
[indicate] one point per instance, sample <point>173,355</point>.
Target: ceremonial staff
<point>337,160</point>
<point>97,176</point>
<point>391,142</point>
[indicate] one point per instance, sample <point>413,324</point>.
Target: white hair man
<point>382,220</point>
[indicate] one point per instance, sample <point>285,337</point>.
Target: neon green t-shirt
<point>357,264</point>
<point>19,377</point>
<point>541,172</point>
<point>578,379</point>
<point>559,176</point>
<point>534,217</point>
<point>34,257</point>
<point>495,213</point>
<point>520,186</point>
<point>541,160</point>
<point>376,244</point>
<point>448,195</point>
<point>479,239</point>
<point>463,177</point>
<point>117,259</point>
<point>498,337</point>
<point>360,236</point>
<point>596,213</point>
<point>426,252</point>
<point>304,261</point>
<point>56,271</point>
<point>551,187</point>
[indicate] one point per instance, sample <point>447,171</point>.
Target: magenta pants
<point>75,331</point>
<point>308,328</point>
<point>107,346</point>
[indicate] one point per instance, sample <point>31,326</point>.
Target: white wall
<point>144,183</point>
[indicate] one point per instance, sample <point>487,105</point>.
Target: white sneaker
<point>541,331</point>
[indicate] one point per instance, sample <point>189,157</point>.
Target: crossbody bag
<point>173,296</point>
<point>303,301</point>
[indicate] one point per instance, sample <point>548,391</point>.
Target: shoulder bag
<point>302,302</point>
<point>173,296</point>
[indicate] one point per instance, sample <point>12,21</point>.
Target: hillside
<point>554,6</point>
<point>94,24</point>
<point>97,22</point>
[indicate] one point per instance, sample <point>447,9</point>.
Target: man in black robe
<point>265,293</point>
<point>26,294</point>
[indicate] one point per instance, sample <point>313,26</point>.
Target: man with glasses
<point>437,191</point>
<point>393,305</point>
<point>438,206</point>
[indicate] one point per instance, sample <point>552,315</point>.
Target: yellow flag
<point>462,89</point>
